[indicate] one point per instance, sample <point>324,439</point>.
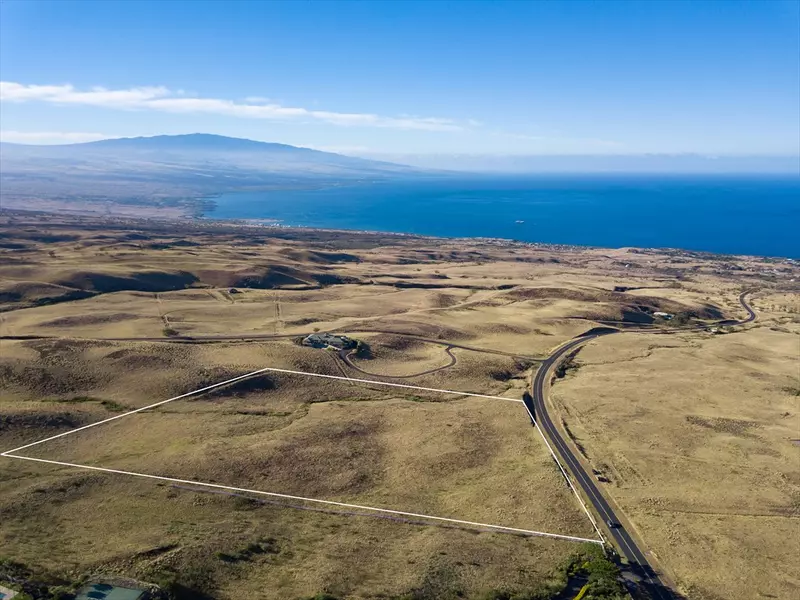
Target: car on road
<point>612,524</point>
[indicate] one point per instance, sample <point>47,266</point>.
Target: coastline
<point>523,214</point>
<point>719,215</point>
<point>96,220</point>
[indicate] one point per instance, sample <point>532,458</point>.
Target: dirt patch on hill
<point>42,380</point>
<point>620,305</point>
<point>317,257</point>
<point>259,383</point>
<point>426,330</point>
<point>89,320</point>
<point>396,342</point>
<point>473,449</point>
<point>335,458</point>
<point>271,277</point>
<point>63,350</point>
<point>22,291</point>
<point>144,281</point>
<point>36,235</point>
<point>45,496</point>
<point>442,300</point>
<point>29,293</point>
<point>61,368</point>
<point>196,378</point>
<point>504,328</point>
<point>268,277</point>
<point>538,293</point>
<point>149,357</point>
<point>303,321</point>
<point>41,421</point>
<point>333,279</point>
<point>737,427</point>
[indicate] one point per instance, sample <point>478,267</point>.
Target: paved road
<point>629,550</point>
<point>652,584</point>
<point>751,315</point>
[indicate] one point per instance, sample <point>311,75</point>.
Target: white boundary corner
<point>500,528</point>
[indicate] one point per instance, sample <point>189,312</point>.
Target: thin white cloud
<point>579,142</point>
<point>51,137</point>
<point>165,100</point>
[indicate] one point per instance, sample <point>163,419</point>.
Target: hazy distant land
<point>718,204</point>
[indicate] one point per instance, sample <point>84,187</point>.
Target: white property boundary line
<point>316,500</point>
<point>12,454</point>
<point>246,375</point>
<point>131,412</point>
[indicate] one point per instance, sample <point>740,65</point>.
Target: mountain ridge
<point>195,142</point>
<point>203,141</point>
<point>179,172</point>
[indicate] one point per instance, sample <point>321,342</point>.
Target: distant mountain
<point>171,170</point>
<point>205,149</point>
<point>193,142</point>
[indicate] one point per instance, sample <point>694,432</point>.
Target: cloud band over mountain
<point>165,100</point>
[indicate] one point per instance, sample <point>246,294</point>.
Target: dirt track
<point>345,356</point>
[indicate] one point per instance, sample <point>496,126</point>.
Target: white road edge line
<point>566,476</point>
<point>234,379</point>
<point>314,500</point>
<point>572,487</point>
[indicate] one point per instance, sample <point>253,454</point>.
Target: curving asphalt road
<point>751,315</point>
<point>651,585</point>
<point>628,547</point>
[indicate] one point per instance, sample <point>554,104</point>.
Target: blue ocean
<point>723,214</point>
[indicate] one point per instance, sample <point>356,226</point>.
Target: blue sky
<point>717,77</point>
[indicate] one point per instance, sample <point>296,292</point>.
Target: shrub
<point>189,584</point>
<point>593,562</point>
<point>363,350</point>
<point>113,406</point>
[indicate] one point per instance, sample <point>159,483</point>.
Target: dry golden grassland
<point>473,459</point>
<point>697,435</point>
<point>692,430</point>
<point>468,458</point>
